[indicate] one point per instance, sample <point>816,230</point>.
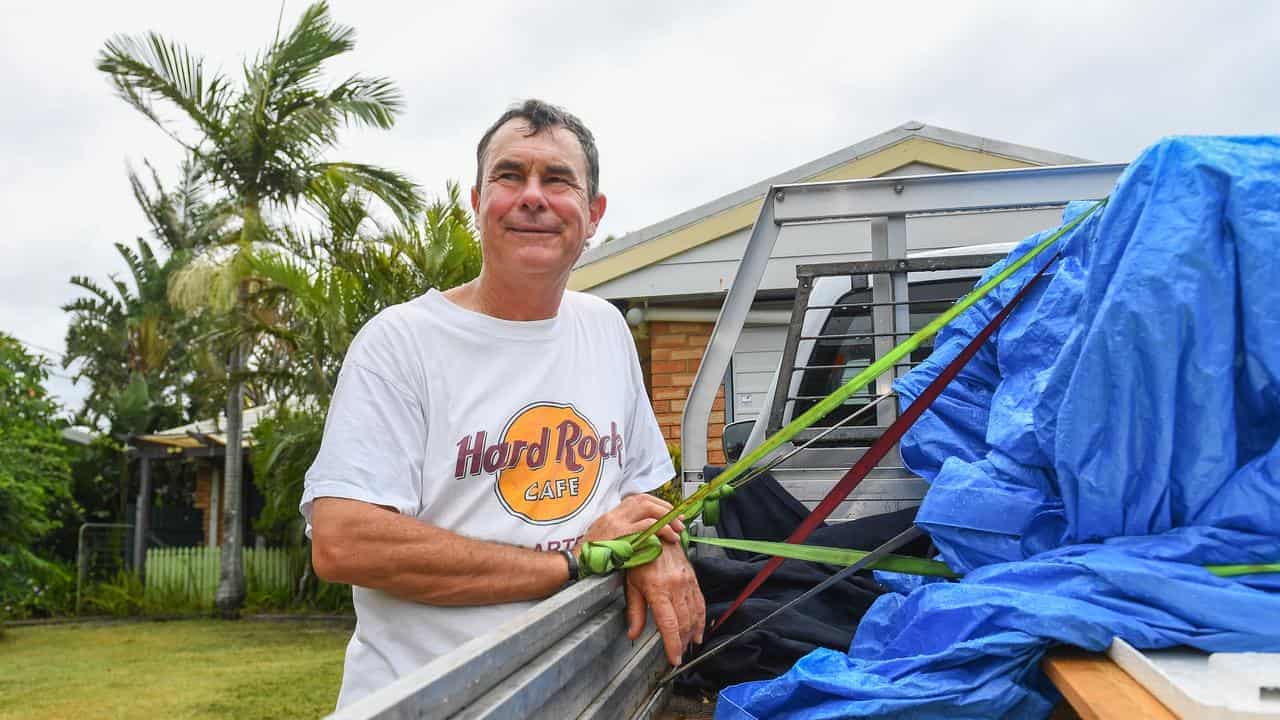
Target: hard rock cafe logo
<point>547,462</point>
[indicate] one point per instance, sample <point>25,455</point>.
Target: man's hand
<point>667,587</point>
<point>633,514</point>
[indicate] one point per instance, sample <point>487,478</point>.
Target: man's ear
<point>475,200</point>
<point>595,212</point>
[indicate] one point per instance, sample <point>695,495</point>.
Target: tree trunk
<point>230,596</point>
<point>304,582</point>
<point>142,520</point>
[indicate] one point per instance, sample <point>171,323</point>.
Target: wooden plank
<point>1098,689</point>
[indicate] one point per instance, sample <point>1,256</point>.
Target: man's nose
<point>532,196</point>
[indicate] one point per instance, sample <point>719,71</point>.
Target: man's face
<point>532,206</point>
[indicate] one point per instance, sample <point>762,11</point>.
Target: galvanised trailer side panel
<point>567,657</point>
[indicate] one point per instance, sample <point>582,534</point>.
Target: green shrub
<point>36,588</point>
<point>672,492</point>
<point>332,598</point>
<point>122,596</point>
<point>125,596</point>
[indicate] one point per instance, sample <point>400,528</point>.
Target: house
<point>204,444</point>
<point>671,276</point>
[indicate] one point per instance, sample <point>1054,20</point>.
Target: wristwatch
<point>573,567</point>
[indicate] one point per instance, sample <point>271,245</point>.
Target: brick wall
<point>204,488</point>
<point>675,351</point>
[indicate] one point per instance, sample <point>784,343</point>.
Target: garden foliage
<point>35,483</point>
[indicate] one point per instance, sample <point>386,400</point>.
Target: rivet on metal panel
<point>898,188</point>
<point>902,264</point>
<point>781,195</point>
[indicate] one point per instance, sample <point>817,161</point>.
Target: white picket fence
<point>193,571</point>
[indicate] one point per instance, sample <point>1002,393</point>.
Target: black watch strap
<point>572,559</point>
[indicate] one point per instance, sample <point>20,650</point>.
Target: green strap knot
<point>709,507</point>
<point>602,557</point>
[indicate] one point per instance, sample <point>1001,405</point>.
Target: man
<point>476,437</point>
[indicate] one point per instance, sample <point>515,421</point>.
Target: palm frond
<point>297,59</point>
<point>209,281</point>
<point>342,208</point>
<point>159,213</point>
<point>137,266</point>
<point>144,68</point>
<point>396,190</point>
<point>369,101</point>
<point>87,284</point>
<point>307,125</point>
<point>91,309</point>
<point>126,295</point>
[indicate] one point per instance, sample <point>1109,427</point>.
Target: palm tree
<point>124,336</point>
<point>317,289</point>
<point>315,292</point>
<point>262,140</point>
<point>129,343</point>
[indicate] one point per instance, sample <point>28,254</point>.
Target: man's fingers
<point>648,506</point>
<point>667,534</point>
<point>664,507</point>
<point>664,616</point>
<point>635,611</point>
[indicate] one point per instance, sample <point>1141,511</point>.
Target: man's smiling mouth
<point>532,230</point>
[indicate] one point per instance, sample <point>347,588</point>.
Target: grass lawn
<point>179,669</point>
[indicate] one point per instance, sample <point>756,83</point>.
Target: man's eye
<point>508,176</point>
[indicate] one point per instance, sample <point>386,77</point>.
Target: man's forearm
<point>362,544</point>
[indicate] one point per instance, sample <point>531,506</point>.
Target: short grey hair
<point>539,116</point>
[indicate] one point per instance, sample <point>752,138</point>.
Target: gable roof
<point>908,144</point>
<point>194,435</point>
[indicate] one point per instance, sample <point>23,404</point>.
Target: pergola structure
<point>204,439</point>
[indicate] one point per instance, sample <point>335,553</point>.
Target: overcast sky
<point>688,101</point>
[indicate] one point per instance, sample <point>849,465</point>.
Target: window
<point>847,346</point>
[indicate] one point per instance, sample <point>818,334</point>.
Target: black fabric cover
<point>763,510</point>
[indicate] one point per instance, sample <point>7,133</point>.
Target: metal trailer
<point>568,657</point>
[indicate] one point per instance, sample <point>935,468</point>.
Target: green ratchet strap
<point>1238,570</point>
<point>904,563</point>
<point>858,382</point>
<point>833,556</point>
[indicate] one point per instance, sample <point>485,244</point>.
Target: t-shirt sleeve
<point>374,440</point>
<point>647,465</point>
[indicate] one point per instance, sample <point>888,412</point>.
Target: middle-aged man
<point>476,437</point>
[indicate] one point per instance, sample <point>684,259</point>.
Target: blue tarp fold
<point>1122,429</point>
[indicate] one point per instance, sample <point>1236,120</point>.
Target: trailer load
<point>1120,431</point>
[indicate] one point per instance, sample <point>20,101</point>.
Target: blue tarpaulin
<point>1122,429</point>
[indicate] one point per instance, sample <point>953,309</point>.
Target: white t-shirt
<point>516,432</point>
